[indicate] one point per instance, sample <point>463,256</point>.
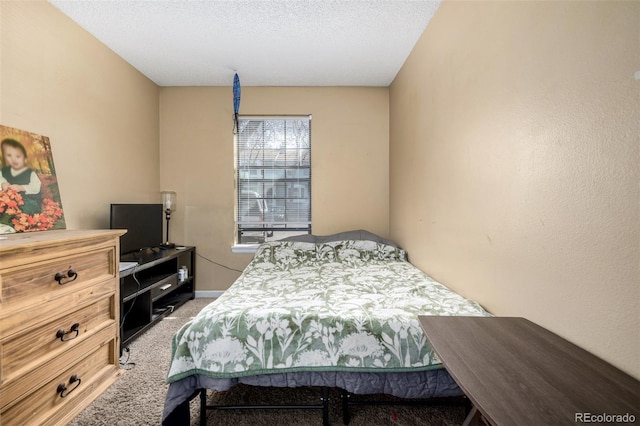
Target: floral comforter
<point>337,306</point>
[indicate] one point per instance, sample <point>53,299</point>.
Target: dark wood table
<point>515,372</point>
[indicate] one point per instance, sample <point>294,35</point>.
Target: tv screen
<point>143,223</point>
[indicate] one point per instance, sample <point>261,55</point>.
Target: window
<point>273,166</point>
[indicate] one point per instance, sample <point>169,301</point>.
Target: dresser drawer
<point>30,348</point>
<point>35,397</point>
<point>38,282</point>
<point>17,321</point>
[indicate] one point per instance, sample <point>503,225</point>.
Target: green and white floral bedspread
<point>337,306</point>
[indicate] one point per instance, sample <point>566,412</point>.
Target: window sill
<point>244,248</point>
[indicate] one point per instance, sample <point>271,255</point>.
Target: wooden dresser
<point>59,316</point>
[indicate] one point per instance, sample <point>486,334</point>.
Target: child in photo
<point>17,176</point>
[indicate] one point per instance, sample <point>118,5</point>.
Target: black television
<point>143,223</point>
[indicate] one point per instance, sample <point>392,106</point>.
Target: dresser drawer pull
<point>62,333</point>
<point>71,274</point>
<point>62,388</point>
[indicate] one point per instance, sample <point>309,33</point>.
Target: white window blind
<point>273,165</point>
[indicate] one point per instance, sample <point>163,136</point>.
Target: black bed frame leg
<point>203,407</point>
<point>325,406</point>
<point>346,417</point>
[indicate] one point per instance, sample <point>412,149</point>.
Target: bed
<point>336,311</point>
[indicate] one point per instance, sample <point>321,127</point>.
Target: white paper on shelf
<point>127,265</point>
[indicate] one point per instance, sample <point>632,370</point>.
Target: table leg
<point>473,418</point>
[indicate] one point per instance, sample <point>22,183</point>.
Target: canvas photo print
<point>29,194</point>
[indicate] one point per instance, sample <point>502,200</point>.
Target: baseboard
<point>209,293</point>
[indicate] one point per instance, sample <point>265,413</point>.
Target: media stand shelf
<point>152,290</point>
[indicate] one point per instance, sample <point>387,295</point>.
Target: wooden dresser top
<point>56,237</point>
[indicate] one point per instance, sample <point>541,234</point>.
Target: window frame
<point>295,178</point>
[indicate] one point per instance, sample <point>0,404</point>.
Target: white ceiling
<point>267,42</point>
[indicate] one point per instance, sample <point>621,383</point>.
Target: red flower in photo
<point>10,202</point>
<point>10,213</point>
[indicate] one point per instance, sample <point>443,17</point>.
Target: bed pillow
<point>360,234</point>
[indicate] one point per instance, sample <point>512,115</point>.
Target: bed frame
<point>348,399</point>
<point>324,406</point>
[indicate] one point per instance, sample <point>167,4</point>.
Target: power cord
<point>216,263</point>
<point>126,363</point>
<point>133,302</point>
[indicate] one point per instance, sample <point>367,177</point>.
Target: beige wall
<point>350,163</point>
<point>514,164</point>
<point>100,114</point>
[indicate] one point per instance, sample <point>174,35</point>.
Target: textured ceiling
<point>268,42</point>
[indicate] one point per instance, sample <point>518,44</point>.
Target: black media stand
<point>152,290</point>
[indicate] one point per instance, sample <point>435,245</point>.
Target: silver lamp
<point>169,204</point>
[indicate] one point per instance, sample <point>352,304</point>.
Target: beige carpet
<point>138,397</point>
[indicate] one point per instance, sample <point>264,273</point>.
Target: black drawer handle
<point>62,388</point>
<point>62,333</point>
<point>71,274</point>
